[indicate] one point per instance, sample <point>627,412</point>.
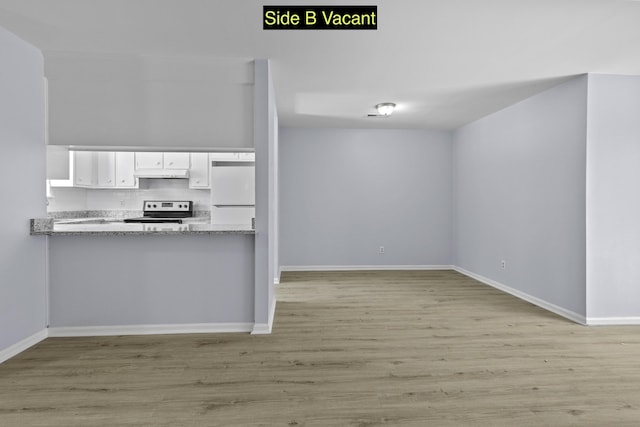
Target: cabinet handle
<point>122,180</point>
<point>158,163</point>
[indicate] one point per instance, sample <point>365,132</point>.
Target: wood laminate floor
<point>431,348</point>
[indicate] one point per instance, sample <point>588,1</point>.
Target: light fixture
<point>385,108</point>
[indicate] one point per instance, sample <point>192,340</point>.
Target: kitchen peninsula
<point>166,269</point>
<point>112,279</point>
<point>109,227</point>
<point>105,280</point>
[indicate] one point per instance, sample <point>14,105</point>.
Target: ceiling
<point>444,62</point>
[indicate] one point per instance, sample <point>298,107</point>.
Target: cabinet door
<point>125,165</point>
<point>176,160</point>
<point>106,169</point>
<point>199,172</point>
<point>84,168</point>
<point>148,160</point>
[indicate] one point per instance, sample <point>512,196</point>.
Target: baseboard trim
<point>265,328</point>
<point>560,311</point>
<point>23,345</point>
<point>363,267</point>
<point>613,321</point>
<point>191,328</point>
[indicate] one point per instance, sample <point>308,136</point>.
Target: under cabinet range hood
<point>161,173</point>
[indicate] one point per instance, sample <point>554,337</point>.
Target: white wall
<point>346,192</point>
<point>266,141</point>
<point>519,196</point>
<point>613,197</point>
<point>22,191</point>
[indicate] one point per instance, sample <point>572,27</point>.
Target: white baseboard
<point>191,328</point>
<point>363,267</point>
<point>578,318</point>
<point>21,346</point>
<point>265,328</point>
<point>613,321</point>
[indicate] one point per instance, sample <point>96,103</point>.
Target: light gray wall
<point>150,100</point>
<point>22,190</point>
<point>142,280</point>
<point>346,192</point>
<point>613,197</point>
<point>519,196</point>
<point>266,149</point>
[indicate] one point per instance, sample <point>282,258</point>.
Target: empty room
<point>401,213</point>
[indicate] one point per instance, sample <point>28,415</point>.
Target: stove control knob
<point>155,206</point>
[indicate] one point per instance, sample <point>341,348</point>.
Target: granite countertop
<point>101,226</point>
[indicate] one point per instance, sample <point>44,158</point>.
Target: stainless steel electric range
<point>157,211</point>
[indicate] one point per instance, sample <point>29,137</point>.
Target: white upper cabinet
<point>176,160</point>
<point>85,168</point>
<point>103,169</point>
<point>106,169</point>
<point>125,166</point>
<point>199,172</point>
<point>155,160</point>
<point>111,169</point>
<point>149,160</point>
<point>116,170</point>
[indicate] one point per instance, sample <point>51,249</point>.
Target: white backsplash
<point>67,199</point>
<point>70,199</point>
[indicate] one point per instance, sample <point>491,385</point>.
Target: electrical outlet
<point>503,264</point>
<point>381,249</point>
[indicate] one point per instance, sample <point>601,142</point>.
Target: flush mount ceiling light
<point>385,108</point>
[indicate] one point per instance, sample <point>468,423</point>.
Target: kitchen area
<point>160,238</point>
<point>117,188</point>
<point>150,242</point>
